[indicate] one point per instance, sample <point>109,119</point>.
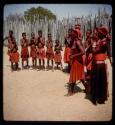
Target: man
<point>49,51</point>
<point>99,84</point>
<point>24,50</point>
<point>77,64</point>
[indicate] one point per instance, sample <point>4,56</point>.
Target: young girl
<point>40,42</point>
<point>24,50</point>
<point>40,54</point>
<point>14,56</point>
<point>57,56</point>
<point>68,44</point>
<point>33,50</point>
<point>49,51</point>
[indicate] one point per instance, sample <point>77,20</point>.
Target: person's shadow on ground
<point>77,89</point>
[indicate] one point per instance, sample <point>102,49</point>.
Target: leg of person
<point>43,64</point>
<point>17,66</point>
<point>61,66</point>
<point>22,64</point>
<point>12,67</point>
<point>27,63</point>
<point>52,65</point>
<point>70,89</point>
<point>69,67</point>
<point>33,62</point>
<point>47,64</point>
<point>52,62</point>
<point>57,65</point>
<point>73,86</point>
<point>40,63</point>
<point>85,85</point>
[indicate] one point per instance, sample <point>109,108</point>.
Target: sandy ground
<point>32,95</point>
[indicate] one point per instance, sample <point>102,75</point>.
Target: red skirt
<point>40,53</point>
<point>14,57</point>
<point>24,53</point>
<point>50,54</point>
<point>33,53</point>
<point>67,54</point>
<point>57,57</point>
<point>77,71</point>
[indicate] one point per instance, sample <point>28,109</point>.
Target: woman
<point>99,85</point>
<point>77,64</point>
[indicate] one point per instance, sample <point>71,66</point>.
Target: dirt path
<point>39,95</point>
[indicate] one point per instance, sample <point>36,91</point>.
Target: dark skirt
<point>99,84</point>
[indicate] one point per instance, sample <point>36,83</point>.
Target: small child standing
<point>41,55</point>
<point>14,56</point>
<point>58,56</point>
<point>49,51</point>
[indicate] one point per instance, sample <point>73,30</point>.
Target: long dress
<point>99,84</point>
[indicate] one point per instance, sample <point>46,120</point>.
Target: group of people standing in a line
<point>91,55</point>
<point>37,51</point>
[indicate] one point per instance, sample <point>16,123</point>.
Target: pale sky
<point>61,10</point>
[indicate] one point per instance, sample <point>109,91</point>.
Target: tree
<point>38,13</point>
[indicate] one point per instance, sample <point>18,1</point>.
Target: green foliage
<point>38,13</point>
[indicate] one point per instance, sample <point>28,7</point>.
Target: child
<point>68,44</point>
<point>58,57</point>
<point>41,55</point>
<point>40,42</point>
<point>24,51</point>
<point>14,56</point>
<point>33,50</point>
<point>49,51</point>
